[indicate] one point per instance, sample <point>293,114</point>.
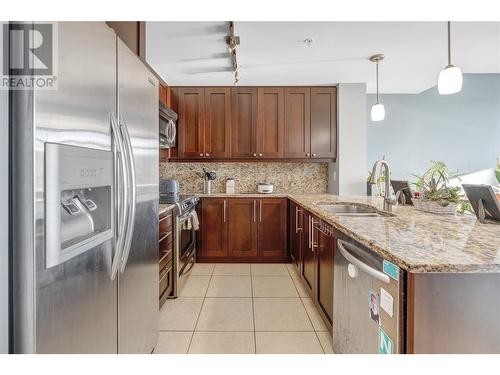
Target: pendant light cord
<point>449,43</point>
<point>377,78</point>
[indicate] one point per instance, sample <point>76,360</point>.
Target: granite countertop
<point>414,240</point>
<point>164,208</point>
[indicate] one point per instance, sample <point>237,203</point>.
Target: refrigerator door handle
<point>123,206</point>
<point>361,265</point>
<point>129,232</point>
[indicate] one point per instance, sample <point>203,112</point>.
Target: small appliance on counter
<point>265,187</point>
<point>208,177</point>
<point>169,191</point>
<point>230,187</point>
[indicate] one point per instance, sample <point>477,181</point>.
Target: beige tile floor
<point>243,309</point>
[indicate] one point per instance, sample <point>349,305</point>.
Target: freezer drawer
<point>366,304</point>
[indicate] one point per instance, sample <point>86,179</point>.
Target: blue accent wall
<point>463,129</point>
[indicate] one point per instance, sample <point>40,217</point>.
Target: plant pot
<point>435,208</point>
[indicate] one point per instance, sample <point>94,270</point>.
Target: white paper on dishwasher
<point>386,302</point>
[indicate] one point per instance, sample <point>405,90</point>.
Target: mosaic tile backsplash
<point>297,178</point>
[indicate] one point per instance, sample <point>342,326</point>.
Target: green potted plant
<point>497,172</point>
<point>435,194</point>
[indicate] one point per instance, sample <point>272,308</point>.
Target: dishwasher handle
<point>358,263</point>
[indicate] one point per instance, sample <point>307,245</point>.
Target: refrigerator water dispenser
<point>79,200</point>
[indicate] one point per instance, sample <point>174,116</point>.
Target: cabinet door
<point>308,255</point>
<point>272,228</point>
<point>191,106</point>
<point>244,122</point>
<point>242,227</point>
<point>324,122</point>
<point>295,230</point>
<point>324,292</point>
<point>217,122</point>
<point>297,122</point>
<point>214,239</point>
<point>271,123</point>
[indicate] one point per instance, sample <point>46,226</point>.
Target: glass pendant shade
<point>450,80</point>
<point>377,112</point>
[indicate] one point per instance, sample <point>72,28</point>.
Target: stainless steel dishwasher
<point>366,301</point>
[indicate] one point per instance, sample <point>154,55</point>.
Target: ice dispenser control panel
<point>79,201</point>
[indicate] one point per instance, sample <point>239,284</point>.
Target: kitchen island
<point>448,269</point>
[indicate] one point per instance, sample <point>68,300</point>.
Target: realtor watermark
<point>29,56</point>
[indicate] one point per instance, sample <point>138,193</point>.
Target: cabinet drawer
<point>165,225</point>
<point>165,258</point>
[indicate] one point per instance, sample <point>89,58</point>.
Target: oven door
<point>186,252</point>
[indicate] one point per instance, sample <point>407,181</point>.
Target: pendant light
<point>378,110</point>
<point>450,79</point>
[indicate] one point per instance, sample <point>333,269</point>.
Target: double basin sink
<point>352,209</point>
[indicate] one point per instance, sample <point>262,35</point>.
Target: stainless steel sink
<point>352,209</point>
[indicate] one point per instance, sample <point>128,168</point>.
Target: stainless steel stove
<point>185,240</point>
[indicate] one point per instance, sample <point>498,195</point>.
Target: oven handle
<point>358,263</point>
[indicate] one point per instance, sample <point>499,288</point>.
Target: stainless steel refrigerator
<point>84,203</point>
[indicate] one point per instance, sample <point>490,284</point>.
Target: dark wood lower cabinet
<point>316,263</point>
<point>242,227</point>
<point>308,260</point>
<point>214,236</point>
<point>243,230</point>
<point>326,240</point>
<point>272,228</point>
<point>295,218</point>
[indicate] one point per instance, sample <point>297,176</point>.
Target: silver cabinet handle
<point>341,244</point>
<point>254,215</point>
<point>307,154</point>
<point>201,154</point>
<point>297,210</point>
<point>207,154</point>
<point>314,154</point>
<point>224,212</point>
<point>260,210</point>
<point>133,196</point>
<point>313,245</point>
<point>260,154</point>
<point>309,231</point>
<point>123,204</point>
<point>254,154</point>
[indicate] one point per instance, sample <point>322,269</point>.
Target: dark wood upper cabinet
<point>214,234</point>
<point>242,227</point>
<point>255,123</point>
<point>217,142</point>
<point>133,34</point>
<point>297,122</point>
<point>191,107</point>
<point>272,227</point>
<point>244,122</point>
<point>324,122</point>
<point>271,122</point>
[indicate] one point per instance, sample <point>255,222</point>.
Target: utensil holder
<point>207,187</point>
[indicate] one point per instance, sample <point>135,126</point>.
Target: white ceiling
<point>273,53</point>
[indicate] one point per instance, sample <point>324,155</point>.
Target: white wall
<point>462,130</point>
<point>348,175</point>
<point>4,200</point>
